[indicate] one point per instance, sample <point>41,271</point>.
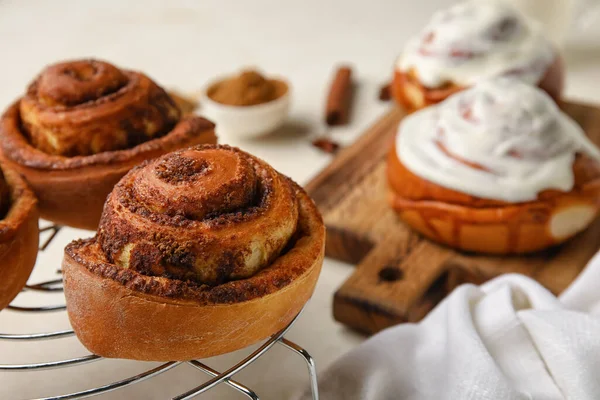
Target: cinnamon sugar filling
<point>298,256</point>
<point>224,215</point>
<point>87,107</point>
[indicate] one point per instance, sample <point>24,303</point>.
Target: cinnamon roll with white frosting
<point>471,42</point>
<point>497,168</point>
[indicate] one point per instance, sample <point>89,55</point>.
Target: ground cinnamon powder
<point>247,89</point>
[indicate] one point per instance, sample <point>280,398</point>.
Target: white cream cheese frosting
<point>501,139</point>
<point>477,40</point>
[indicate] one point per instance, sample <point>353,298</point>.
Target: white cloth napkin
<point>507,339</point>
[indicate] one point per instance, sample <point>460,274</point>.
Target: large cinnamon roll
<point>18,234</point>
<point>497,168</point>
<point>200,252</point>
<point>470,42</point>
<point>81,126</point>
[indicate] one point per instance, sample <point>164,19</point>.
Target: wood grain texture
<point>400,275</point>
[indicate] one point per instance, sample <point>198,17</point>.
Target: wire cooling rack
<point>216,377</point>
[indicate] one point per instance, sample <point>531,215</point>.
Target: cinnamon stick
<point>326,145</point>
<point>385,93</point>
<point>340,94</point>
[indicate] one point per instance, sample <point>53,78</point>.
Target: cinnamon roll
<point>18,234</point>
<point>81,126</point>
<point>470,42</point>
<point>497,168</point>
<point>199,252</point>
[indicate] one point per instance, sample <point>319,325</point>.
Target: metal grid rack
<point>216,377</point>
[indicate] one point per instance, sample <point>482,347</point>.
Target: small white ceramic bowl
<point>245,121</point>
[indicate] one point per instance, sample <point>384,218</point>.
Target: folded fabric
<point>507,339</point>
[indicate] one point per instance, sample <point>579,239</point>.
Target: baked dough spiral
<point>214,214</point>
<point>199,252</point>
<point>81,126</point>
<point>19,234</point>
<point>87,107</point>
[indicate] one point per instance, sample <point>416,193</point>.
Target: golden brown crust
<point>19,235</point>
<point>78,108</point>
<point>207,213</point>
<point>72,190</point>
<point>486,225</point>
<point>412,95</point>
<point>122,313</point>
<point>17,149</point>
<point>4,195</point>
<point>286,268</point>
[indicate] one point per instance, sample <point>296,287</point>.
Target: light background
<point>183,45</point>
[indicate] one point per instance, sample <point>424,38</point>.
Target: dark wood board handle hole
<point>390,274</point>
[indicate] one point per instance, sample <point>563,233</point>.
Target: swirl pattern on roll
<point>501,139</point>
<point>4,195</point>
<point>475,40</point>
<point>86,107</point>
<point>208,214</point>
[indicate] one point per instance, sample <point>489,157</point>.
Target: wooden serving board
<point>400,275</point>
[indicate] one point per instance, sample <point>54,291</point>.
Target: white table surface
<point>183,45</point>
